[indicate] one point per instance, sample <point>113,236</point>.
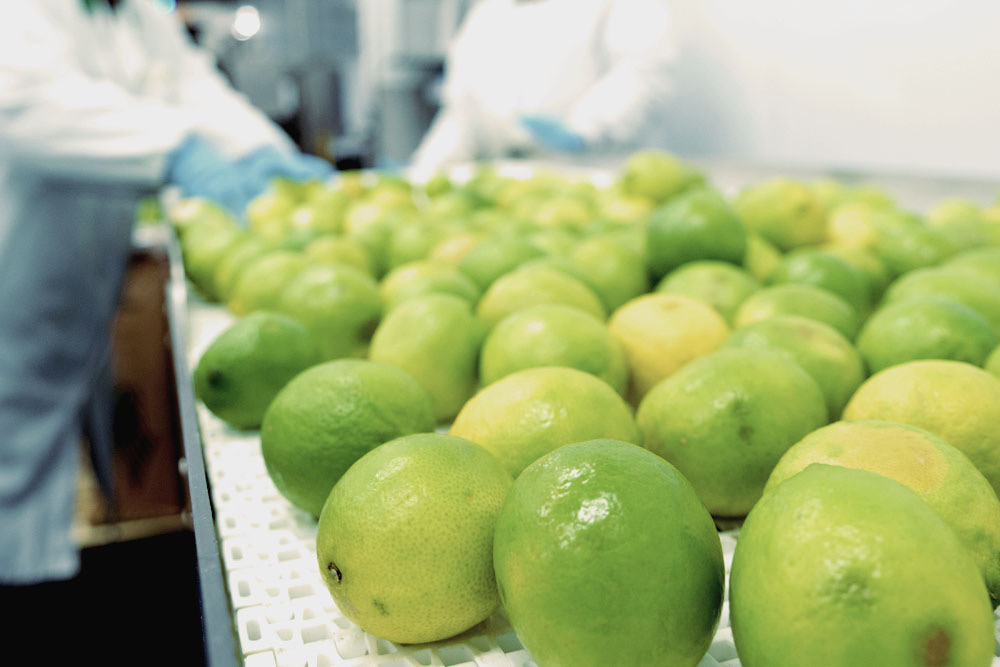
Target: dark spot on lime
<point>745,432</point>
<point>215,378</point>
<point>334,572</point>
<point>936,649</point>
<point>380,607</point>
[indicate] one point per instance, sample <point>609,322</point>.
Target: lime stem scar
<point>335,571</point>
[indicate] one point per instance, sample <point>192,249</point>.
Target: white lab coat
<point>602,67</point>
<point>90,108</point>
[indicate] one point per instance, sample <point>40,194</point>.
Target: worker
<point>101,103</point>
<point>556,76</point>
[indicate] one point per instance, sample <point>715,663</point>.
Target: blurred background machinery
<point>352,80</point>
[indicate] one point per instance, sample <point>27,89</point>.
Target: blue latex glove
<point>553,135</point>
<point>199,169</point>
<point>267,162</point>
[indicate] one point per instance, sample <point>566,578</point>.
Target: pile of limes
<point>616,367</point>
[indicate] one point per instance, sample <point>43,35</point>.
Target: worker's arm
<point>637,38</point>
<point>221,114</point>
<point>57,119</point>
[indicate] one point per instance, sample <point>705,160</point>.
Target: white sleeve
<point>448,141</point>
<point>637,39</point>
<point>53,117</point>
<point>222,115</point>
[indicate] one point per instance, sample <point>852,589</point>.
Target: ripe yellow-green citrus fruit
<point>699,224</point>
<point>725,419</point>
<point>965,285</point>
<point>339,250</point>
<point>494,256</point>
<point>818,348</point>
<point>605,556</point>
<point>553,335</point>
<point>201,250</point>
<point>940,474</point>
<point>249,363</point>
<point>426,277</point>
<point>330,415</point>
<point>721,285</point>
<point>405,539</point>
<point>952,399</point>
<point>785,212</point>
<point>612,268</point>
<point>262,280</point>
<point>662,332</point>
<point>436,339</point>
<point>339,305</point>
<point>534,285</point>
<point>809,301</point>
<point>656,175</point>
<point>233,261</point>
<point>845,567</point>
<point>929,327</point>
<point>527,414</point>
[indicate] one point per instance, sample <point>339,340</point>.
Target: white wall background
<point>911,86</point>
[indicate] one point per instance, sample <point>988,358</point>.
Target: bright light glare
<point>247,22</point>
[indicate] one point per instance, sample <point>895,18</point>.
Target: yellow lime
<point>534,285</point>
<point>261,282</point>
<point>527,414</point>
<point>660,333</point>
<point>953,400</point>
<point>372,541</point>
<point>784,211</point>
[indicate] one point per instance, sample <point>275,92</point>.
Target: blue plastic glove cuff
<point>267,162</point>
<point>201,170</point>
<point>552,134</point>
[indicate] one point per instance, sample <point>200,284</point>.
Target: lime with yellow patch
<point>940,474</point>
<point>527,414</point>
<point>784,211</point>
<point>954,400</point>
<point>263,279</point>
<point>848,567</point>
<point>404,543</point>
<point>605,556</point>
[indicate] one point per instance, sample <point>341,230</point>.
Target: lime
<point>553,335</point>
<point>725,419</point>
<point>605,556</point>
<point>857,556</point>
<point>929,327</point>
<point>818,348</point>
<point>534,285</point>
<point>372,539</point>
<point>785,212</point>
<point>660,333</point>
<point>809,301</point>
<point>699,224</point>
<point>953,400</point>
<point>436,339</point>
<point>330,415</point>
<point>527,414</point>
<point>721,285</point>
<point>943,476</point>
<point>243,368</point>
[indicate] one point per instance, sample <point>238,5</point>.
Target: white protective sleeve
<point>619,107</point>
<point>57,118</point>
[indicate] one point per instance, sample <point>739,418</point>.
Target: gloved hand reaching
<point>553,134</point>
<point>201,170</point>
<point>267,162</point>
